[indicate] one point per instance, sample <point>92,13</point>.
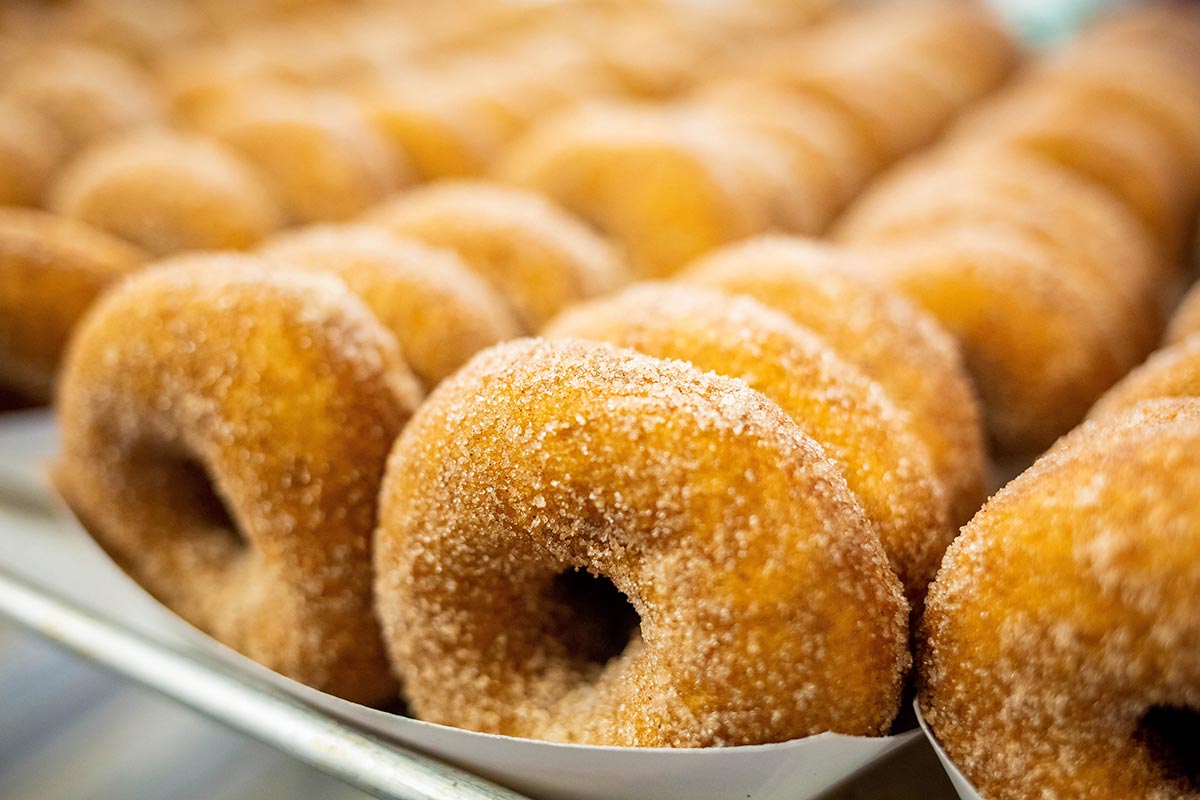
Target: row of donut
<point>405,88</point>
<point>1061,635</point>
<point>450,268</point>
<point>1046,231</point>
<point>786,149</point>
<point>774,421</point>
<point>744,519</point>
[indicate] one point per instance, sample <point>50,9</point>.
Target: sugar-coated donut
<point>88,93</point>
<point>889,339</point>
<point>871,440</point>
<point>168,193</point>
<point>51,269</point>
<point>440,311</point>
<point>31,150</point>
<point>225,426</point>
<point>320,157</point>
<point>431,127</point>
<point>666,188</point>
<point>1096,239</point>
<point>767,607</point>
<point>1038,344</point>
<point>535,254</point>
<point>1062,634</point>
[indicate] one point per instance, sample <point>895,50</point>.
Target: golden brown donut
<point>1119,150</point>
<point>871,440</point>
<point>889,339</point>
<point>320,157</point>
<point>31,151</point>
<point>535,254</point>
<point>225,426</point>
<point>430,124</point>
<point>765,605</point>
<point>1098,241</point>
<point>1038,344</point>
<point>663,184</point>
<point>51,269</point>
<point>88,93</point>
<point>440,311</point>
<point>168,193</point>
<point>1062,632</point>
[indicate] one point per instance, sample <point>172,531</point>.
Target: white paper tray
<point>112,621</point>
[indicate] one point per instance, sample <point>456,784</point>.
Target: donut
<point>1186,319</point>
<point>1096,239</point>
<point>440,311</point>
<point>51,269</point>
<point>167,192</point>
<point>320,157</point>
<point>1062,631</point>
<point>428,122</point>
<point>1117,150</point>
<point>893,342</point>
<point>225,427</point>
<point>86,92</point>
<point>535,254</point>
<point>825,147</point>
<point>31,151</point>
<point>763,606</point>
<point>663,184</point>
<point>885,464</point>
<point>1040,346</point>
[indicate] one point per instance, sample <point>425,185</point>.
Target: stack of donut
<point>1061,637</point>
<point>782,145</point>
<point>1045,233</point>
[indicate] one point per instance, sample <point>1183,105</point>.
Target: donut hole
<point>601,622</point>
<point>1172,735</point>
<point>184,485</point>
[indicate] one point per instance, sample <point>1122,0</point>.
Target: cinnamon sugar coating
<point>1065,613</point>
<point>539,257</point>
<point>889,339</point>
<point>767,607</point>
<point>871,440</point>
<point>51,270</point>
<point>225,427</point>
<point>440,311</point>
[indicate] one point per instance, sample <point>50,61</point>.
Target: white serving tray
<point>68,581</point>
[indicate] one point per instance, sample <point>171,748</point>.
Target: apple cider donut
<point>168,193</point>
<point>31,151</point>
<point>885,464</point>
<point>440,311</point>
<point>51,269</point>
<point>1037,343</point>
<point>765,606</point>
<point>225,427</point>
<point>535,254</point>
<point>666,188</point>
<point>889,339</point>
<point>87,93</point>
<point>320,157</point>
<point>1062,632</point>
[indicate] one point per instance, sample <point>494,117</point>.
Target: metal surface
<point>237,700</point>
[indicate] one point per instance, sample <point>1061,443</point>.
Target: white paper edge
<point>793,770</point>
<point>961,785</point>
